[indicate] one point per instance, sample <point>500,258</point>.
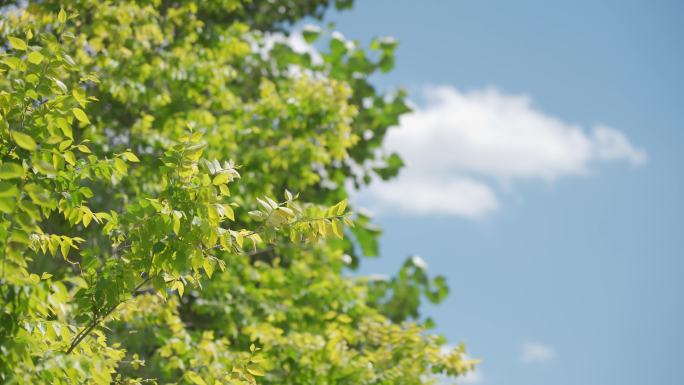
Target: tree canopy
<point>173,200</point>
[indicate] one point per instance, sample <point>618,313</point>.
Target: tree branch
<point>97,320</point>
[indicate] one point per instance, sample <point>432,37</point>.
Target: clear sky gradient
<point>570,269</point>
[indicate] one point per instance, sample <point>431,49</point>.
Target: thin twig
<point>96,321</point>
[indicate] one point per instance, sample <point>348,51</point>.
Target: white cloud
<point>536,352</point>
<point>427,194</point>
<point>610,144</point>
<point>459,143</point>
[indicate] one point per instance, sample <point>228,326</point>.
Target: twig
<point>96,321</point>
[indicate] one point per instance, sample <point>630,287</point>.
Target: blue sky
<point>562,233</point>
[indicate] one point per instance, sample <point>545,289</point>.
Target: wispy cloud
<point>460,145</point>
<point>536,352</point>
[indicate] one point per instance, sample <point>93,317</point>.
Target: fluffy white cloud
<point>429,194</point>
<point>536,352</point>
<point>459,143</point>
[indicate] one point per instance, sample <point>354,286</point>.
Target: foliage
<point>147,228</point>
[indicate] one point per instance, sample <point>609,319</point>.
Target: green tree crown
<point>173,201</point>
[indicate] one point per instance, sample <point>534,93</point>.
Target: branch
<point>97,320</point>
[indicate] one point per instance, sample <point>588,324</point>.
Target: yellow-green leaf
<point>62,87</point>
<point>87,217</point>
<point>195,378</point>
<point>35,57</point>
<point>120,165</point>
<point>180,287</point>
<point>337,228</point>
<point>8,190</point>
<point>64,247</point>
<point>255,371</point>
<point>17,43</point>
<point>24,141</point>
<point>65,127</point>
<point>70,157</point>
<point>80,115</point>
<point>208,266</point>
<point>13,62</point>
<point>62,16</point>
<point>65,144</point>
<point>176,224</point>
<point>131,157</point>
<point>220,179</point>
<point>11,170</point>
<point>229,213</point>
<point>341,207</point>
<point>7,205</point>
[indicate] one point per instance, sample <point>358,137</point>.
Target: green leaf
<point>176,222</point>
<point>311,33</point>
<point>7,205</point>
<point>65,144</point>
<point>255,371</point>
<point>64,247</point>
<point>195,378</point>
<point>13,62</point>
<point>220,178</point>
<point>367,235</point>
<point>70,157</point>
<point>8,190</point>
<point>34,278</point>
<point>208,266</point>
<point>62,87</point>
<point>62,16</point>
<point>11,170</point>
<point>35,57</point>
<point>65,127</point>
<point>131,157</point>
<point>24,141</point>
<point>87,217</point>
<point>228,212</point>
<point>180,287</point>
<point>337,228</point>
<point>80,96</point>
<point>17,43</point>
<point>80,115</point>
<point>119,165</point>
<point>341,207</point>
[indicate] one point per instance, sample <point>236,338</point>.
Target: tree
<point>173,201</point>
